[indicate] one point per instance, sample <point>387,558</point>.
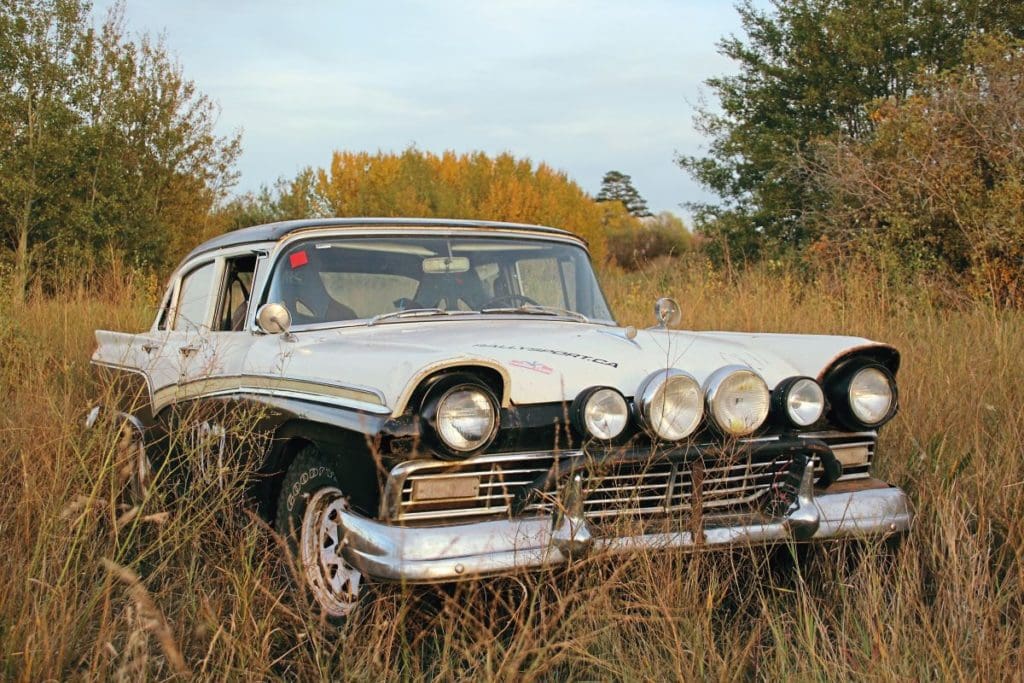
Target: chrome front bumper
<point>461,551</point>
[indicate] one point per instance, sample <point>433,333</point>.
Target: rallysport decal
<point>556,352</point>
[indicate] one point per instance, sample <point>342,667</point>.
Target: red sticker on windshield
<point>298,259</point>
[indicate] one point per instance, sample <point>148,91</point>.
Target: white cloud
<point>585,86</point>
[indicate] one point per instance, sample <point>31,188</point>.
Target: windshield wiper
<point>537,309</point>
<point>406,312</point>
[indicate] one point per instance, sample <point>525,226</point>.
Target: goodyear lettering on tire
<point>307,476</point>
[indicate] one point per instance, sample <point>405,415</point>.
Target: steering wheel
<point>509,301</point>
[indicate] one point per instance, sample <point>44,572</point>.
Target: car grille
<point>624,489</point>
<point>859,447</point>
<point>644,489</point>
<point>500,478</point>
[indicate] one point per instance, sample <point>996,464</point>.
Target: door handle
<point>188,350</point>
<point>150,348</point>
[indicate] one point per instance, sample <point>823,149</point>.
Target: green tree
<point>618,187</point>
<point>809,69</point>
<point>104,144</point>
<point>37,85</point>
<point>285,200</point>
<point>939,184</point>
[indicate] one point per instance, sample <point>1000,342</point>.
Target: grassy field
<point>91,590</point>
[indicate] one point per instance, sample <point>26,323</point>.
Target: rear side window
<point>194,299</point>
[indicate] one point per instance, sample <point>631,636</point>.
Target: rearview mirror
<point>439,265</point>
<point>273,318</point>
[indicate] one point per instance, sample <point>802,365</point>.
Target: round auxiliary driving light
<point>800,400</point>
<point>601,412</point>
<point>738,400</point>
<point>671,404</point>
<point>872,395</point>
<point>465,418</point>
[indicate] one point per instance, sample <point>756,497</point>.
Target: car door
<point>202,357</point>
<point>209,341</point>
<point>177,353</point>
<point>212,360</point>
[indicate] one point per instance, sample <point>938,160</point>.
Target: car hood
<point>543,361</point>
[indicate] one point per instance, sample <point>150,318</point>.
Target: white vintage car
<point>452,399</point>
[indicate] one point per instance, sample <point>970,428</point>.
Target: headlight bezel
<point>578,417</point>
<point>713,388</point>
<point>780,408</point>
<point>647,393</point>
<point>837,390</point>
<point>433,401</point>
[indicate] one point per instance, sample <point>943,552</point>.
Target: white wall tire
<point>334,584</point>
<point>135,463</point>
<point>308,516</point>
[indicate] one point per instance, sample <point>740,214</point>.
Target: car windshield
<point>344,278</point>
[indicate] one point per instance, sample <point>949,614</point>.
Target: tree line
<point>887,130</point>
<point>616,223</point>
<point>105,146</point>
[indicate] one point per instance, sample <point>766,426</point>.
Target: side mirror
<point>273,318</point>
<point>667,313</point>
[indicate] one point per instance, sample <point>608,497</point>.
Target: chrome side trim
<point>339,401</point>
<point>125,368</point>
<point>354,397</point>
<point>273,385</point>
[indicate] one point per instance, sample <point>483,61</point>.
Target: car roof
<point>272,232</point>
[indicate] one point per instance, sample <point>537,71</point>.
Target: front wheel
<point>309,516</point>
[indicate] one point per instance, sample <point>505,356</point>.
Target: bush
<point>939,185</point>
<point>631,244</point>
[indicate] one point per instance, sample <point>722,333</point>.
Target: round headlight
<point>671,405</point>
<point>466,418</point>
<point>872,395</point>
<point>738,400</point>
<point>801,399</point>
<point>602,413</point>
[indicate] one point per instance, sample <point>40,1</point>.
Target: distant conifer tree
<point>618,187</point>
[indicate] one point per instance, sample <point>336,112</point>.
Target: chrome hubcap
<point>334,583</point>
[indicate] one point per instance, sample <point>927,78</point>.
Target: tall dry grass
<point>91,588</point>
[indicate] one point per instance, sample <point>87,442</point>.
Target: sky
<point>584,86</point>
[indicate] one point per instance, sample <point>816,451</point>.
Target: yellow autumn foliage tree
<point>450,185</point>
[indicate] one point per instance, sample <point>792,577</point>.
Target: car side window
<point>235,293</point>
<point>165,308</point>
<point>194,299</point>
